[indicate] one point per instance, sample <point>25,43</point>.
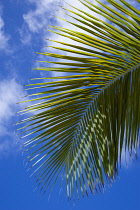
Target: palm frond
<point>87,118</point>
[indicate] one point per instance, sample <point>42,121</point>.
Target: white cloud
<point>10,91</point>
<point>4,38</point>
<point>37,19</point>
<point>10,94</point>
<point>25,35</point>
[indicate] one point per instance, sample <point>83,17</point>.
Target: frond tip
<point>86,118</point>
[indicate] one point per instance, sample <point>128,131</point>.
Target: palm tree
<point>89,117</point>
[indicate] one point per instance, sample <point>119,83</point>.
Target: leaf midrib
<point>110,83</point>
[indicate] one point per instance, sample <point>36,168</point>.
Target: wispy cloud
<point>38,18</point>
<point>10,91</point>
<point>4,38</point>
<point>25,35</point>
<point>10,94</point>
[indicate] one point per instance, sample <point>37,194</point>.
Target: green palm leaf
<point>87,118</point>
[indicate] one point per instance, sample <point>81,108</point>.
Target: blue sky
<point>22,32</point>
